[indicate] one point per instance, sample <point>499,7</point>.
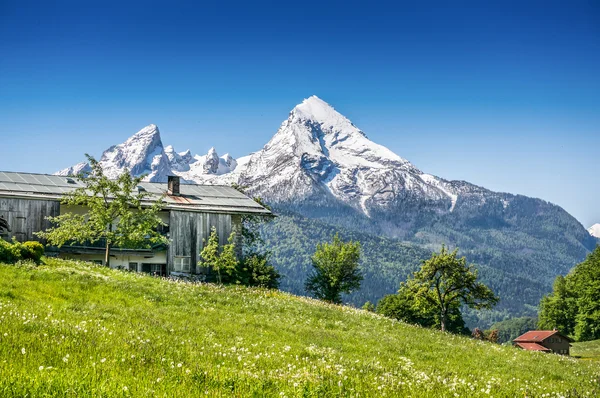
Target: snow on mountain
<point>142,153</point>
<point>82,167</point>
<point>594,230</point>
<point>317,150</point>
<point>179,161</point>
<point>316,153</point>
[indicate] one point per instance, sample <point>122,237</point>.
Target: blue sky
<point>505,95</point>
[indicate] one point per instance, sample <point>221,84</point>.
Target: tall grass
<point>587,350</point>
<point>73,329</point>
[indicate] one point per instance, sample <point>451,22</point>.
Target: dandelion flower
<point>23,351</point>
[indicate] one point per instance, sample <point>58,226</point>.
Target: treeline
<point>573,307</point>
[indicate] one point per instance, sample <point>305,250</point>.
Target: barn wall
<point>26,216</point>
<point>559,345</point>
<point>189,231</point>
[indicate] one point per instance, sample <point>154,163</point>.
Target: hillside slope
<point>75,329</point>
<point>589,350</point>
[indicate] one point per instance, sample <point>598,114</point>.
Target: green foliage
<point>404,307</point>
<point>10,252</point>
<point>445,281</point>
<point>369,306</point>
<point>335,270</point>
<point>253,269</point>
<point>32,250</point>
<point>573,307</point>
<point>115,214</point>
<point>75,329</point>
<point>223,261</point>
<point>256,270</point>
<point>510,329</point>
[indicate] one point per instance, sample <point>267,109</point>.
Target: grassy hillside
<point>587,350</point>
<point>75,329</point>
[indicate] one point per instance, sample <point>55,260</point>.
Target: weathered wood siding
<point>26,216</point>
<point>188,232</point>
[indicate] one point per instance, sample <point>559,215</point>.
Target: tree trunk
<point>443,319</point>
<point>107,254</point>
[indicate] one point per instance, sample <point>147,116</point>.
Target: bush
<point>16,251</point>
<point>10,252</point>
<point>32,250</point>
<point>255,270</point>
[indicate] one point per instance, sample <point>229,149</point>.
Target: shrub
<point>255,270</point>
<point>32,250</point>
<point>10,252</point>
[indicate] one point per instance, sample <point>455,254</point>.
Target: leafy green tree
<point>404,307</point>
<point>573,307</point>
<point>335,270</point>
<point>445,282</point>
<point>222,260</point>
<point>559,309</point>
<point>115,212</point>
<point>586,284</point>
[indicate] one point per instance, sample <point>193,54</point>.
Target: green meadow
<point>72,329</point>
<point>587,350</point>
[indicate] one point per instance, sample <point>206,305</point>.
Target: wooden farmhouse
<point>190,211</point>
<point>545,341</point>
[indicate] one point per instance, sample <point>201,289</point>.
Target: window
<point>181,264</point>
<point>133,266</point>
<point>156,268</point>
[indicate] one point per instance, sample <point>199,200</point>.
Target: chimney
<point>173,185</point>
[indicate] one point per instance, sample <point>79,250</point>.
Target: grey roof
<point>201,198</point>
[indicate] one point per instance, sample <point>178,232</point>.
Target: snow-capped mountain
<point>317,152</point>
<point>594,230</point>
<point>142,153</point>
